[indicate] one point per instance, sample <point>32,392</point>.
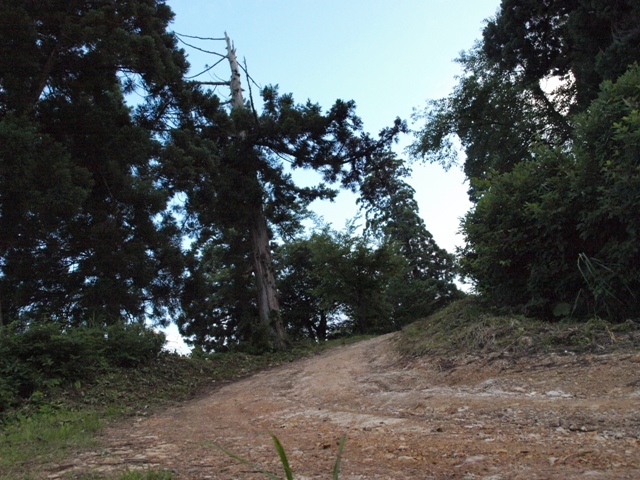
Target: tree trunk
<point>237,101</point>
<point>268,305</point>
<point>322,326</point>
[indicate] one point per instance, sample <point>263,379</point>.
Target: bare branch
<point>198,38</point>
<point>202,49</point>
<point>249,77</point>
<point>207,69</point>
<point>218,84</point>
<point>281,156</point>
<point>253,107</point>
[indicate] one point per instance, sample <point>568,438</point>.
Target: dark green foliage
<point>46,355</point>
<point>345,281</point>
<point>334,282</point>
<point>499,110</point>
<point>522,242</point>
<point>355,277</point>
<point>608,163</point>
<point>304,313</point>
<point>219,300</point>
<point>129,345</point>
<point>564,229</point>
<point>494,115</point>
<point>590,40</point>
<point>84,226</point>
<point>412,299</point>
<point>553,173</point>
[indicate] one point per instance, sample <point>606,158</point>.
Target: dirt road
<point>544,417</point>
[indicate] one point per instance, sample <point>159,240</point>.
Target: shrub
<point>45,355</point>
<point>128,345</point>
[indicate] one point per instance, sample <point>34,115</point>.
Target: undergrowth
<point>469,326</point>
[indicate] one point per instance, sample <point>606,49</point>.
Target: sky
<point>389,56</point>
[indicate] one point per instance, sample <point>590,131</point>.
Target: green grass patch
<point>470,327</point>
<point>44,437</point>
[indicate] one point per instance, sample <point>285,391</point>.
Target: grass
<point>48,428</point>
<point>469,326</point>
<point>45,437</point>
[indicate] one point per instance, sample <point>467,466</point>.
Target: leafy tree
<point>304,312</point>
<point>493,116</point>
<point>521,239</point>
<point>341,278</point>
<point>82,213</point>
<point>546,222</point>
<point>363,275</point>
<point>581,41</point>
<point>499,111</point>
<point>375,286</point>
<point>563,229</point>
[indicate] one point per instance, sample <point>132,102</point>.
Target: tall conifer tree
<point>81,212</point>
<point>237,190</point>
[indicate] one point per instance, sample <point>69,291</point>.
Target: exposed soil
<point>543,417</point>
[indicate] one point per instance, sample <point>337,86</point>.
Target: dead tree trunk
<point>268,305</point>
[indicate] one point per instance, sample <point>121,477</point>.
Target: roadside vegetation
<point>472,326</point>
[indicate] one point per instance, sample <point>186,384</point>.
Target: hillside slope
<point>499,417</point>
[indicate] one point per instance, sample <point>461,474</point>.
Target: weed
<point>284,460</point>
<point>610,291</point>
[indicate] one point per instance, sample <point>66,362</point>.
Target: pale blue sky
<point>390,56</point>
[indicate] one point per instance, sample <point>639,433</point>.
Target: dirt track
<point>546,417</point>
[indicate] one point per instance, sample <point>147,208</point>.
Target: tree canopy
<point>131,192</point>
